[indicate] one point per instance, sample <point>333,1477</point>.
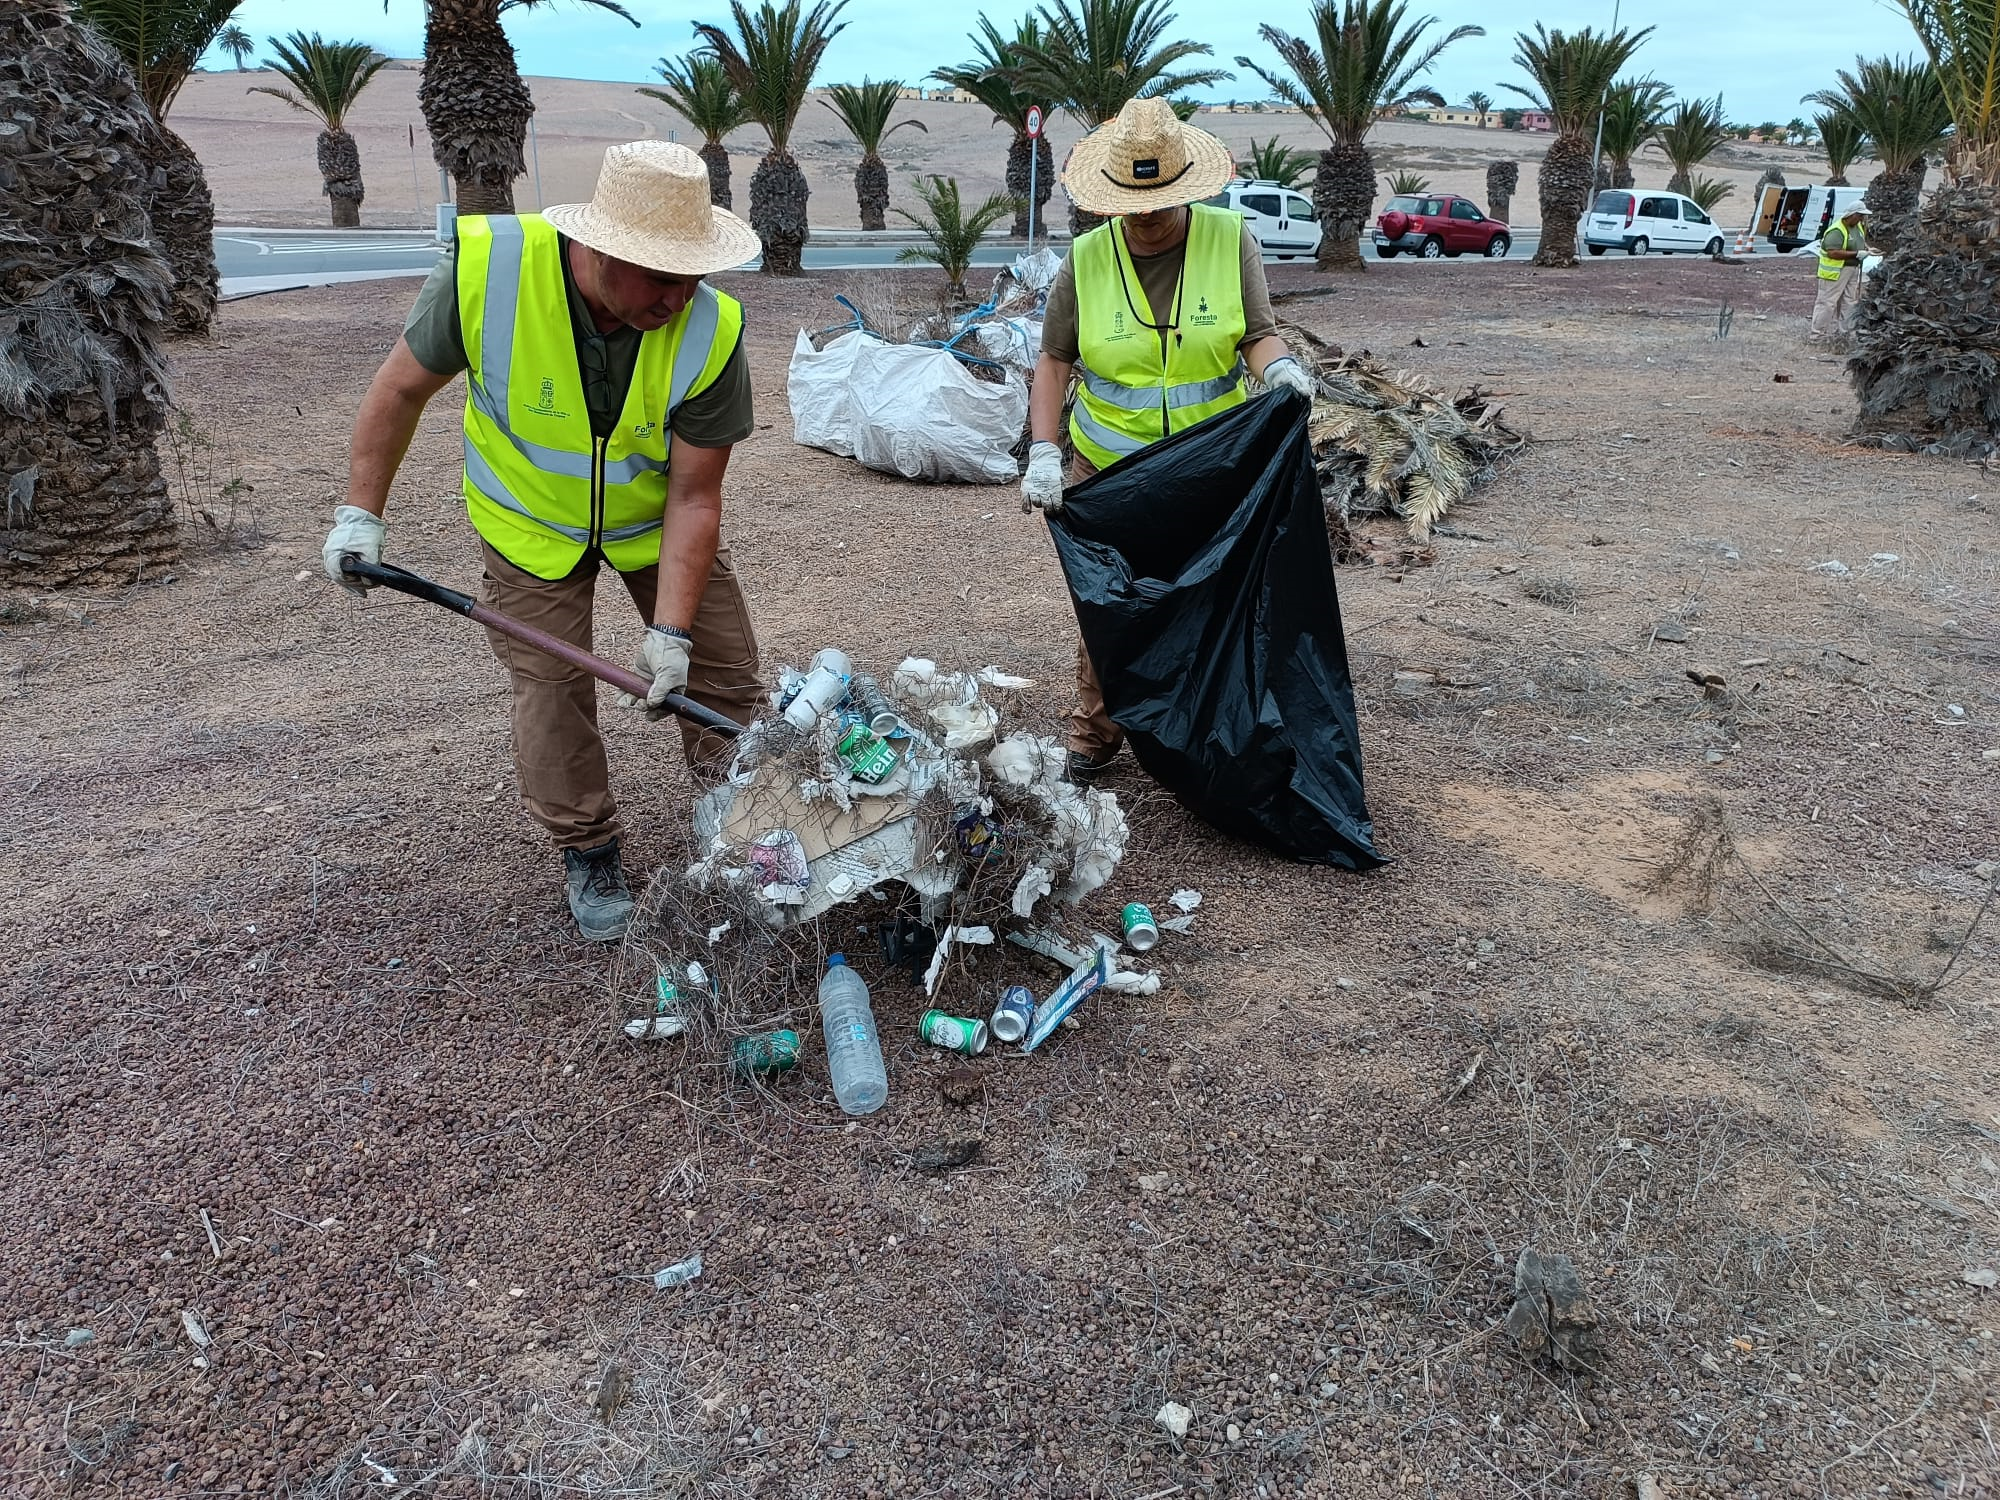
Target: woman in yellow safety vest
<point>1159,314</point>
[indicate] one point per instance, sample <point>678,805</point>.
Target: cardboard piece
<point>772,802</point>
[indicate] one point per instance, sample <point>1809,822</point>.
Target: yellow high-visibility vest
<point>538,485</point>
<point>1829,268</point>
<point>1130,395</point>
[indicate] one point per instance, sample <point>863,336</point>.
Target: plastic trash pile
<point>943,398</point>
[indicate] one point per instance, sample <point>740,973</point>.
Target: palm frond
<point>1363,59</point>
<point>1095,56</point>
<point>611,5</point>
<point>325,77</point>
<point>699,91</point>
<point>864,108</point>
<point>160,40</point>
<point>1691,134</point>
<point>1633,110</point>
<point>1962,40</point>
<point>1709,191</point>
<point>772,57</point>
<point>1572,71</point>
<point>990,75</point>
<point>1273,162</point>
<point>952,233</point>
<point>1897,102</point>
<point>1841,138</point>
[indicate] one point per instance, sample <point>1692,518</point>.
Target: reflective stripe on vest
<point>1129,394</point>
<point>1829,268</point>
<point>538,485</point>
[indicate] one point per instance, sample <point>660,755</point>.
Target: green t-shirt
<point>716,418</point>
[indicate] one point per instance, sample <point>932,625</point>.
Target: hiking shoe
<point>1085,769</point>
<point>599,898</point>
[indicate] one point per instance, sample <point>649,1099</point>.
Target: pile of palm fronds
<point>1387,443</point>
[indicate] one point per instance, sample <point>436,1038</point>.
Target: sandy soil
<point>284,963</point>
<point>259,154</point>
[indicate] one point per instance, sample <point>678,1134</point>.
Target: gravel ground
<point>320,1126</point>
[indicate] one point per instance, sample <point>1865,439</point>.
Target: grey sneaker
<point>1084,770</point>
<point>599,898</point>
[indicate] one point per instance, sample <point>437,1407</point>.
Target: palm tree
<point>161,41</point>
<point>474,101</point>
<point>1407,182</point>
<point>1899,104</point>
<point>1571,72</point>
<point>1095,56</point>
<point>1799,131</point>
<point>1841,139</point>
<point>326,78</point>
<point>771,60</point>
<point>1482,106</point>
<point>864,108</point>
<point>82,379</point>
<point>1708,191</point>
<point>953,233</point>
<point>1502,177</point>
<point>1367,61</point>
<point>1924,342</point>
<point>1633,110</point>
<point>1691,135</point>
<point>236,42</point>
<point>1272,162</point>
<point>699,91</point>
<point>990,78</point>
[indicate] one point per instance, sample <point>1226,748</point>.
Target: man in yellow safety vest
<point>1160,312</point>
<point>1840,252</point>
<point>605,385</point>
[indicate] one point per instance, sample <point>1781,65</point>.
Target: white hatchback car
<point>1281,218</point>
<point>1636,221</point>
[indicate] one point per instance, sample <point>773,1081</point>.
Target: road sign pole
<point>1034,168</point>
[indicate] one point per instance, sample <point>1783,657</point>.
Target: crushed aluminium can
<point>953,1033</point>
<point>1141,931</point>
<point>864,754</point>
<point>1013,1014</point>
<point>764,1052</point>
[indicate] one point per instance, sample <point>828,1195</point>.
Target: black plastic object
<point>1203,585</point>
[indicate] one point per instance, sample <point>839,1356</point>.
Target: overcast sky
<point>1761,55</point>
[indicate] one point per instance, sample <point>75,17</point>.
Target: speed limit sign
<point>1034,121</point>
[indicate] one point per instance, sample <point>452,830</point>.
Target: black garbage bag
<point>1204,589</point>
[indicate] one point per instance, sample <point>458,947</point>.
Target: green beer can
<point>953,1033</point>
<point>765,1052</point>
<point>1141,931</point>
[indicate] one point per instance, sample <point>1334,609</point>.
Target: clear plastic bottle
<point>853,1051</point>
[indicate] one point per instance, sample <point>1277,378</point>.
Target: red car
<point>1438,224</point>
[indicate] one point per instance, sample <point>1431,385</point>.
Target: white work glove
<point>663,656</point>
<point>1285,373</point>
<point>356,531</point>
<point>1042,485</point>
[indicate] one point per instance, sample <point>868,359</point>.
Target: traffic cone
<point>1745,242</point>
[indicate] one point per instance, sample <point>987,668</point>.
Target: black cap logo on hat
<point>1144,170</point>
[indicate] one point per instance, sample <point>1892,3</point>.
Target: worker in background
<point>1840,251</point>
<point>1161,312</point>
<point>605,385</point>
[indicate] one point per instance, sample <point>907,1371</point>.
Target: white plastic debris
<point>1028,759</point>
<point>1174,1419</point>
<point>678,1274</point>
<point>715,934</point>
<point>973,935</point>
<point>1884,558</point>
<point>1035,883</point>
<point>1177,924</point>
<point>655,1028</point>
<point>1128,982</point>
<point>993,677</point>
<point>966,726</point>
<point>1832,569</point>
<point>192,1326</point>
<point>1186,900</point>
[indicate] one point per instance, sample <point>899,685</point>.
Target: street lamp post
<point>1597,151</point>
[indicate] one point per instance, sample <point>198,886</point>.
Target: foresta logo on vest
<point>1202,317</point>
<point>545,403</point>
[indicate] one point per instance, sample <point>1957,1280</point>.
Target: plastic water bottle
<point>853,1052</point>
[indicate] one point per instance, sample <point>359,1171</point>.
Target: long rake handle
<point>623,678</point>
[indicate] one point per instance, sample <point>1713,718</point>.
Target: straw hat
<point>651,208</point>
<point>1145,159</point>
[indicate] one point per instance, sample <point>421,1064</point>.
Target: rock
<point>1983,1276</point>
<point>1153,1182</point>
<point>1173,1419</point>
<point>1233,1433</point>
<point>1671,631</point>
<point>1986,870</point>
<point>1834,569</point>
<point>1885,558</point>
<point>1713,758</point>
<point>1552,1313</point>
<point>945,1156</point>
<point>962,1086</point>
<point>77,1337</point>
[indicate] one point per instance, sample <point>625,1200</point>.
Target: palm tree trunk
<point>778,194</point>
<point>340,166</point>
<point>475,105</point>
<point>1678,182</point>
<point>1343,197</point>
<point>1563,189</point>
<point>716,156</point>
<point>1893,196</point>
<point>1621,174</point>
<point>183,216</point>
<point>87,295</point>
<point>1018,158</point>
<point>871,192</point>
<point>1927,336</point>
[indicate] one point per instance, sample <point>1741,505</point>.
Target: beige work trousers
<point>1091,731</point>
<point>559,761</point>
<point>1835,305</point>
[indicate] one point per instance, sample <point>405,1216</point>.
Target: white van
<point>1281,218</point>
<point>1792,217</point>
<point>1635,221</point>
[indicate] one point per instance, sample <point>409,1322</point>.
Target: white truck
<point>1790,217</point>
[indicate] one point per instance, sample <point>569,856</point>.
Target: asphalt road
<point>262,260</point>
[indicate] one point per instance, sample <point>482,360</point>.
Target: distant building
<point>1535,119</point>
<point>953,96</point>
<point>1460,114</point>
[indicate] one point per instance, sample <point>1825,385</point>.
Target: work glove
<point>1286,374</point>
<point>663,656</point>
<point>1042,485</point>
<point>356,531</point>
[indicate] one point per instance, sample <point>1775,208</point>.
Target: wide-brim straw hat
<point>1145,159</point>
<point>651,208</point>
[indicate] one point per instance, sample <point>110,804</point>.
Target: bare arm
<point>1045,399</point>
<point>1261,353</point>
<point>385,424</point>
<point>692,532</point>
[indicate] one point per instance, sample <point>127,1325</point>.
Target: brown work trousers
<point>559,761</point>
<point>1091,731</point>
